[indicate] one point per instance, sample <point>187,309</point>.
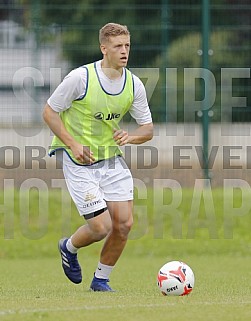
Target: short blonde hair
<point>112,30</point>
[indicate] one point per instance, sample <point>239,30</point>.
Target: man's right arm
<point>53,120</point>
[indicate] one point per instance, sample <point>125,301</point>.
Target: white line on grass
<point>105,307</point>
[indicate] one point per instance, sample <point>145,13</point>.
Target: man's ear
<point>103,49</point>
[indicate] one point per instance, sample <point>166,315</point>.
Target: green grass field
<point>210,232</point>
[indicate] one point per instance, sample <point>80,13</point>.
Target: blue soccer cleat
<point>70,263</point>
<point>100,285</point>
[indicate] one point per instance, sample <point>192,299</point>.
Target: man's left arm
<point>139,136</point>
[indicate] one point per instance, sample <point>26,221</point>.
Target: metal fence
<point>40,41</point>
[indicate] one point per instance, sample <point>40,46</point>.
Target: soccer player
<point>84,114</point>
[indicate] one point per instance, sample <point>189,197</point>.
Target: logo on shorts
<point>89,197</point>
<point>90,204</point>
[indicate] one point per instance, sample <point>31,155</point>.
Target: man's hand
<point>140,135</point>
<point>82,153</point>
<point>120,136</point>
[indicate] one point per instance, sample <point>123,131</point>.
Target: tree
<point>184,52</point>
<point>8,11</point>
<point>157,31</point>
<point>80,20</point>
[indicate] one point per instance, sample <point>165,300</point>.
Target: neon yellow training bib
<point>91,119</point>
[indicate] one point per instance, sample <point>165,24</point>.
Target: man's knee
<point>123,228</point>
<point>100,225</point>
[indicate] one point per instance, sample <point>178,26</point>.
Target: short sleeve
<point>140,110</point>
<point>71,88</point>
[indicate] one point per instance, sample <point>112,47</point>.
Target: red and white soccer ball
<point>175,278</point>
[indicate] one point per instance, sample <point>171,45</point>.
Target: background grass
<point>210,231</point>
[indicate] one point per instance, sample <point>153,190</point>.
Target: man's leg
<point>122,220</point>
<point>96,229</point>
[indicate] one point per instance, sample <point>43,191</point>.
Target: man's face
<point>116,51</point>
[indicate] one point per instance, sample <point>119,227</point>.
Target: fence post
<point>205,66</point>
<point>36,29</point>
<point>164,43</point>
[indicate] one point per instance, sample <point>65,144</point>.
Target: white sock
<point>103,271</point>
<point>70,247</point>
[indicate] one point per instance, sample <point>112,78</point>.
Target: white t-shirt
<point>74,84</point>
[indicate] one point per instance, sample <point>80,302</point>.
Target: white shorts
<point>92,185</point>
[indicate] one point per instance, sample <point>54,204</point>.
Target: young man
<point>84,114</point>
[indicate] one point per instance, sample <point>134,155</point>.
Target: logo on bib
<point>111,116</point>
<point>100,116</point>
